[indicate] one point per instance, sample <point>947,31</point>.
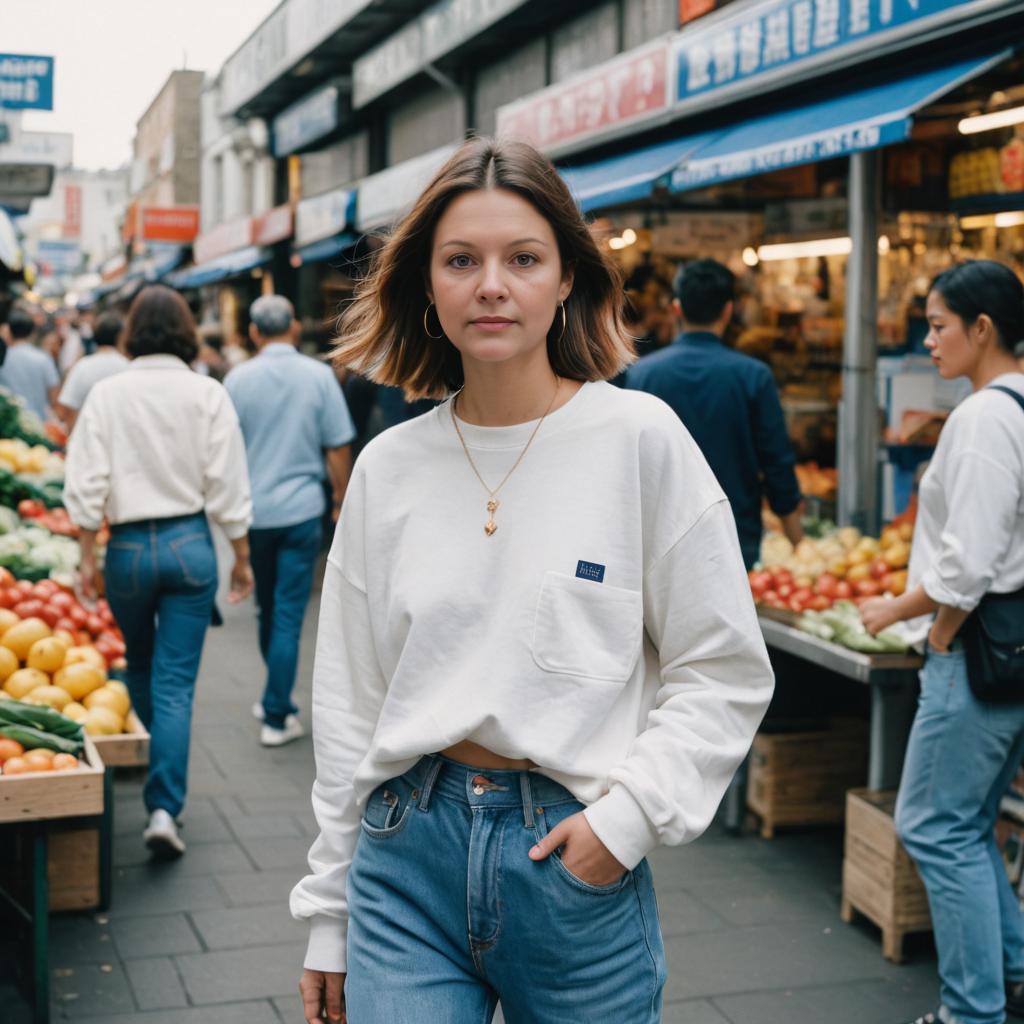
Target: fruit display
<point>56,520</point>
<point>841,624</point>
<point>34,553</point>
<point>816,482</point>
<point>19,423</point>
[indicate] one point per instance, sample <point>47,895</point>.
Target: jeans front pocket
<point>195,556</point>
<point>388,807</point>
<point>121,568</point>
<point>545,821</point>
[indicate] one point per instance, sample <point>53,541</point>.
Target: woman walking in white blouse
<point>969,540</point>
<point>155,450</point>
<point>538,657</point>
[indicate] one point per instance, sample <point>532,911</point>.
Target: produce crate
<point>801,778</point>
<point>129,749</point>
<point>880,880</point>
<point>37,796</point>
<point>73,867</point>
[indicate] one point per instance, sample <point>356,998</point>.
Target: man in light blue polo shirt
<point>297,430</point>
<point>27,370</point>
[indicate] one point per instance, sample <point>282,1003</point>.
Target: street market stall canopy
<point>837,125</point>
<point>231,265</point>
<point>325,249</point>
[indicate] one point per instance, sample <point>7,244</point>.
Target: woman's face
<point>496,276</point>
<point>953,346</point>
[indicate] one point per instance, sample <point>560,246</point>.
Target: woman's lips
<point>492,325</point>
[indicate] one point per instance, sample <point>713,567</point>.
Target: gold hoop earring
<point>561,306</point>
<point>426,328</point>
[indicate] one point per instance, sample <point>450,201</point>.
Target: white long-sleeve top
<point>640,693</point>
<point>969,534</point>
<point>157,441</point>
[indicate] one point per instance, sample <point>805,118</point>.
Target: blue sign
<point>306,121</point>
<point>26,82</point>
<point>780,35</point>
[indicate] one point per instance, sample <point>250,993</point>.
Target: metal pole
<point>858,408</point>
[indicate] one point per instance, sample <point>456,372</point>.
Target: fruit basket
<point>43,795</point>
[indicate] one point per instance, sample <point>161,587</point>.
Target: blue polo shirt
<point>28,371</point>
<point>729,403</point>
<point>291,408</point>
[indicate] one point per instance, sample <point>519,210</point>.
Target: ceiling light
<point>629,236</point>
<point>802,250</point>
<point>989,122</point>
<point>883,245</point>
<point>616,243</point>
<point>1010,219</point>
<point>750,257</point>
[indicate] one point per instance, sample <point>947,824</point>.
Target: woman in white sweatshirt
<point>538,658</point>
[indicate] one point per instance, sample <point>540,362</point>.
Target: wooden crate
<point>129,749</point>
<point>73,868</point>
<point>37,796</point>
<point>801,778</point>
<point>880,880</point>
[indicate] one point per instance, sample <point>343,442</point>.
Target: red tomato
<point>50,615</point>
<point>65,623</point>
<point>29,608</point>
<point>868,588</point>
<point>108,650</point>
<point>45,589</point>
<point>826,584</point>
<point>62,599</point>
<point>102,606</point>
<point>6,577</point>
<point>760,582</point>
<point>779,604</point>
<point>78,615</point>
<point>797,604</point>
<point>785,590</point>
<point>770,597</point>
<point>24,587</point>
<point>28,509</point>
<point>879,568</point>
<point>819,603</point>
<point>803,593</point>
<point>9,597</point>
<point>843,591</point>
<point>783,576</point>
<point>95,625</point>
<point>82,638</point>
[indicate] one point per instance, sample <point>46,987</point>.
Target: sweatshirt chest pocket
<point>587,629</point>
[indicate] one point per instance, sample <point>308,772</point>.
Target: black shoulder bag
<point>993,637</point>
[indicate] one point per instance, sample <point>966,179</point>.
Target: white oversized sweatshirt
<point>606,631</point>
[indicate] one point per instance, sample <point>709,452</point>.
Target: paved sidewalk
<point>751,927</point>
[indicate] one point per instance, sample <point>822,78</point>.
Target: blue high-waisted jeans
<point>448,914</point>
<point>961,757</point>
<point>161,578</point>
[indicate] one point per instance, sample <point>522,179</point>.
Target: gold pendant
<point>491,525</point>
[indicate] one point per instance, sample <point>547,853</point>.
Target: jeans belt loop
<point>527,792</point>
<point>428,783</point>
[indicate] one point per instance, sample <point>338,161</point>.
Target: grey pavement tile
<point>698,1011</point>
<point>710,964</point>
<point>681,913</point>
<point>278,852</point>
<point>226,976</point>
<point>253,887</point>
<point>262,925</point>
<point>778,898</point>
<point>261,826</point>
<point>145,891</point>
<point>199,859</point>
<point>257,805</point>
<point>259,785</point>
<point>80,939</point>
<point>862,1002</point>
<point>139,937</point>
<point>156,984</point>
<point>91,989</point>
<point>289,1009</point>
<point>261,1012</point>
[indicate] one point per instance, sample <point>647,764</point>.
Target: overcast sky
<point>112,56</point>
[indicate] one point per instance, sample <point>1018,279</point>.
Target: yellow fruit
<point>75,711</point>
<point>897,556</point>
<point>47,655</point>
<point>21,683</point>
<point>86,653</point>
<point>38,762</point>
<point>65,762</point>
<point>8,662</point>
<point>105,697</point>
<point>906,531</point>
<point>100,721</point>
<point>7,619</point>
<point>116,684</point>
<point>21,637</point>
<point>65,638</point>
<point>52,696</point>
<point>890,535</point>
<point>79,679</point>
<point>839,567</point>
<point>859,572</point>
<point>41,752</point>
<point>859,556</point>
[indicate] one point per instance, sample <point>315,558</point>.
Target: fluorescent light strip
<point>989,122</point>
<point>800,250</point>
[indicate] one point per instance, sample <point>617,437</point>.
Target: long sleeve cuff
<point>620,823</point>
<point>235,529</point>
<point>938,591</point>
<point>327,944</point>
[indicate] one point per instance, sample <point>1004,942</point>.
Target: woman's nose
<point>492,281</point>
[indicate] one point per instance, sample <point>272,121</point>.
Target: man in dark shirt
<point>729,403</point>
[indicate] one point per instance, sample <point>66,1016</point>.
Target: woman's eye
<point>524,259</point>
<point>460,261</point>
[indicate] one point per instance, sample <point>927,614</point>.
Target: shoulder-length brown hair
<point>382,332</point>
<point>160,323</point>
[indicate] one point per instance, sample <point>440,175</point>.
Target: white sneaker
<point>271,737</point>
<point>161,836</point>
<point>258,713</point>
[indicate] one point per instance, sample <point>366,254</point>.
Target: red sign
<point>692,9</point>
<point>170,223</point>
<point>224,238</point>
<point>273,226</point>
<point>630,88</point>
<point>72,226</point>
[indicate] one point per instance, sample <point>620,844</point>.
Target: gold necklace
<point>492,501</point>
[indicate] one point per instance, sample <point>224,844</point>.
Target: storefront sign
<point>38,147</point>
<point>26,82</point>
<point>437,31</point>
<point>386,196</point>
<point>689,234</point>
<point>273,226</point>
<point>629,88</point>
<point>690,10</point>
<point>224,238</point>
<point>796,218</point>
<point>72,226</point>
<point>21,181</point>
<point>772,38</point>
<point>161,223</point>
<point>321,216</point>
<point>306,121</point>
<point>58,256</point>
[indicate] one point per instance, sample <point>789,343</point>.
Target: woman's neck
<point>994,365</point>
<point>498,395</point>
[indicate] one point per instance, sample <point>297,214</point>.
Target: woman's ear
<point>984,330</point>
<point>568,277</point>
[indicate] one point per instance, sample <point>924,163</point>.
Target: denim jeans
<point>961,757</point>
<point>448,914</point>
<point>283,559</point>
<point>161,577</point>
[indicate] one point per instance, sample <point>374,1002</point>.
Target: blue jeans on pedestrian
<point>283,560</point>
<point>161,578</point>
<point>448,914</point>
<point>961,757</point>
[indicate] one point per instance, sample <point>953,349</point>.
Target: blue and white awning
<point>230,265</point>
<point>325,249</point>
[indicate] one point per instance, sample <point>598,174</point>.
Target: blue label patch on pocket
<point>590,571</point>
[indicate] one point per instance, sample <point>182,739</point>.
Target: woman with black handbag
<point>969,542</point>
